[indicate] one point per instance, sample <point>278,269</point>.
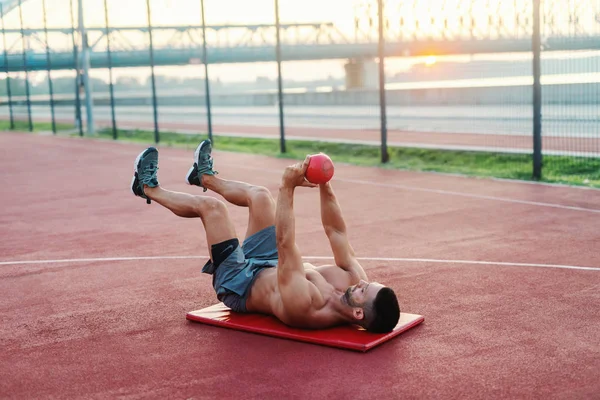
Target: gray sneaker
<point>203,164</point>
<point>145,171</point>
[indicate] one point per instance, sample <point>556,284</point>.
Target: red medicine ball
<point>320,169</point>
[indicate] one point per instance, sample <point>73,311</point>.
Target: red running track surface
<point>343,337</point>
<point>91,307</point>
<point>400,138</point>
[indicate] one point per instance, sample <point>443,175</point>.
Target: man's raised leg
<point>211,211</point>
<point>258,199</point>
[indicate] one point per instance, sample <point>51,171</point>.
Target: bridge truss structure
<point>412,27</point>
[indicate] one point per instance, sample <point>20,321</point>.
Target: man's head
<point>374,306</point>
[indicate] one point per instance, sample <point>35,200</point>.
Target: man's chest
<point>327,278</point>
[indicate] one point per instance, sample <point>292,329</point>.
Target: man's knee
<point>209,206</point>
<point>260,195</point>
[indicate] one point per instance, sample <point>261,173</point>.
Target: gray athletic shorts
<point>234,273</point>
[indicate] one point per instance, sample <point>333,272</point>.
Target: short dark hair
<point>384,312</point>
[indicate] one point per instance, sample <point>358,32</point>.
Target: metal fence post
<point>537,92</point>
<point>77,76</point>
<point>49,62</point>
<point>110,74</point>
<point>206,81</point>
<point>8,89</point>
<point>87,83</point>
<point>382,105</point>
<point>279,81</point>
<point>154,103</point>
<point>27,94</point>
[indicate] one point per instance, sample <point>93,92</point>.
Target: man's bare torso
<point>329,280</point>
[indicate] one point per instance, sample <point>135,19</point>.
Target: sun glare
<point>430,60</point>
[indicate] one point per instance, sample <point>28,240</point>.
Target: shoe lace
<point>205,162</point>
<point>205,157</point>
<point>150,169</point>
<point>210,164</point>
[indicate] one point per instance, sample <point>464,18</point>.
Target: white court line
<point>429,260</point>
<point>419,260</point>
<point>78,260</point>
<point>476,196</point>
<point>444,192</point>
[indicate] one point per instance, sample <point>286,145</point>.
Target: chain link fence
<point>466,86</point>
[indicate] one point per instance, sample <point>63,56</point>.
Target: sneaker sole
<point>187,177</point>
<point>135,169</point>
<point>196,154</point>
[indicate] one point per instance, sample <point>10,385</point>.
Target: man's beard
<point>348,299</point>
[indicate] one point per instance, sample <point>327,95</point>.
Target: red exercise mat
<point>345,337</point>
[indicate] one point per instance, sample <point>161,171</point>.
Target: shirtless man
<point>266,274</point>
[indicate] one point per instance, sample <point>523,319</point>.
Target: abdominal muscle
<point>265,298</point>
<point>264,293</point>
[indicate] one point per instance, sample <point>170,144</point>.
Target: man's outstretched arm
<point>335,229</point>
<point>290,260</point>
<point>293,285</point>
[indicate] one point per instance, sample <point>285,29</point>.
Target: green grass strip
<point>23,125</point>
<point>577,171</point>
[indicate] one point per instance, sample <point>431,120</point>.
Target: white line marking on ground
<point>429,260</point>
<point>394,259</point>
<point>475,196</point>
<point>444,192</point>
<point>108,259</point>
